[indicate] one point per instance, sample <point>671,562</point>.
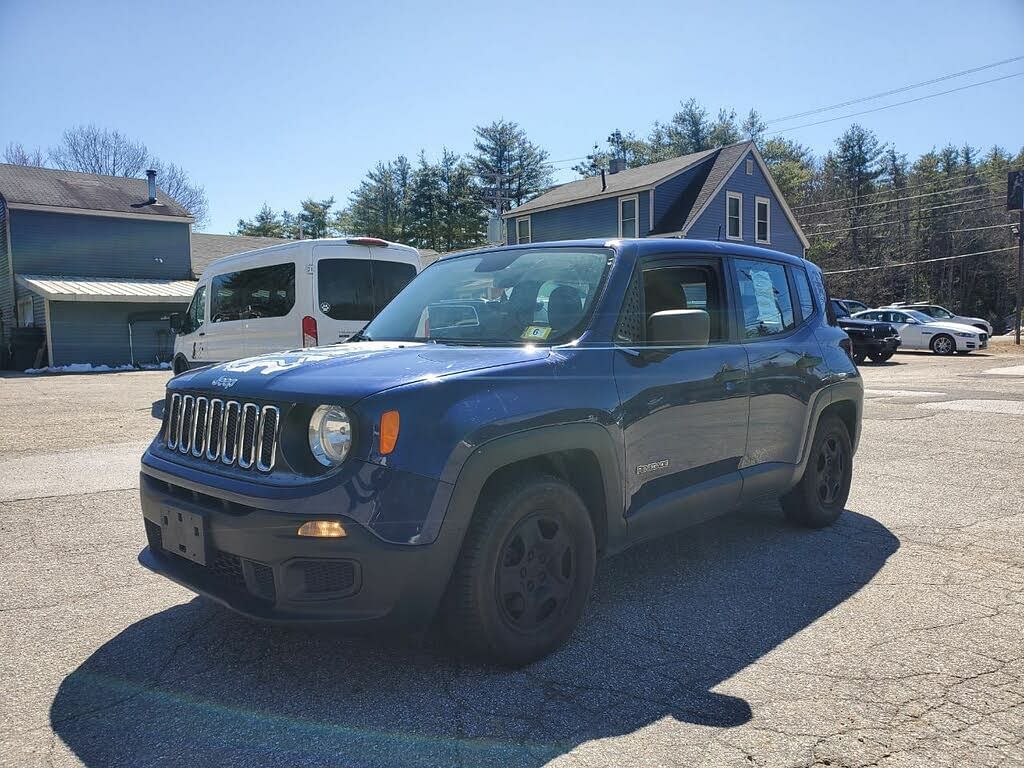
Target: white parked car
<point>919,331</point>
<point>935,312</point>
<point>299,294</point>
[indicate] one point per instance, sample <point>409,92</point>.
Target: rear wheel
<point>820,496</point>
<point>180,365</point>
<point>880,357</point>
<point>943,344</point>
<point>524,573</point>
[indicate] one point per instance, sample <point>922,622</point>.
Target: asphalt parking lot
<point>895,638</point>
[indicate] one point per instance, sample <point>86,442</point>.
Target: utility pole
<point>499,196</point>
<point>1015,202</point>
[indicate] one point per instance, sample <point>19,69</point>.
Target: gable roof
<point>23,186</point>
<point>628,180</point>
<point>695,198</point>
<point>208,248</point>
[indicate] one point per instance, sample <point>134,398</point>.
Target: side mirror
<point>679,327</point>
<point>177,322</point>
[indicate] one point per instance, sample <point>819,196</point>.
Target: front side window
<point>938,312</point>
<point>197,309</point>
<point>628,217</point>
<point>763,213</point>
<point>765,298</point>
<point>523,230</point>
<point>734,215</point>
<point>503,297</point>
<point>250,294</point>
<point>686,286</point>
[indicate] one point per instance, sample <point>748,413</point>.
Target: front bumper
<point>874,346</point>
<point>256,565</point>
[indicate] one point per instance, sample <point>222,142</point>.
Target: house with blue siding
<point>725,193</point>
<point>93,263</point>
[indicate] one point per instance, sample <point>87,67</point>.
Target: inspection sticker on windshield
<point>536,332</point>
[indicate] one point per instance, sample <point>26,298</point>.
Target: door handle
<point>202,333</point>
<point>729,374</point>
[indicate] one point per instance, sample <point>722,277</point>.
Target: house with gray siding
<point>725,193</point>
<point>96,262</point>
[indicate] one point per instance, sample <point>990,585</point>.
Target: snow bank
<point>90,368</point>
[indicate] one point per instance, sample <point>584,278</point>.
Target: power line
<point>907,188</point>
<point>896,104</point>
<point>975,229</point>
<point>901,199</point>
<point>909,219</point>
<point>922,261</point>
<point>893,91</point>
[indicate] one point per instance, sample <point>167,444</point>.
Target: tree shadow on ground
<point>195,685</point>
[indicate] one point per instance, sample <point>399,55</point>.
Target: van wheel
<point>180,365</point>
<point>524,573</point>
<point>820,496</point>
<point>943,344</point>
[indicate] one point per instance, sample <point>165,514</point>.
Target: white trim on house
<point>529,230</point>
<point>49,335</point>
<point>768,219</point>
<point>636,214</point>
<point>107,214</point>
<point>10,256</point>
<point>650,227</point>
<point>771,183</point>
<point>738,197</point>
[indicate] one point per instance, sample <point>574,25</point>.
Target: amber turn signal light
<point>388,431</point>
<point>324,529</point>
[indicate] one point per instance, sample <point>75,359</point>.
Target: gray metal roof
<point>29,185</point>
<point>134,290</point>
<point>208,248</point>
<point>617,183</point>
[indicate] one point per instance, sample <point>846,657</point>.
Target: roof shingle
<point>207,248</point>
<point>30,185</point>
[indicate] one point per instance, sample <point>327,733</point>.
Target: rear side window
<point>765,298</point>
<point>803,293</point>
<point>253,293</point>
<point>389,277</point>
<point>345,288</point>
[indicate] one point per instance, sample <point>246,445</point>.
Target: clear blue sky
<point>277,101</point>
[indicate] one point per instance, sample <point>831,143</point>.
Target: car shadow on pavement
<point>196,685</point>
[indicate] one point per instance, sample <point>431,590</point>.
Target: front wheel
<point>524,573</point>
<point>859,357</point>
<point>881,357</point>
<point>943,344</point>
<point>820,496</point>
<point>180,365</point>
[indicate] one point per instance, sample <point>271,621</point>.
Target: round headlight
<point>330,435</point>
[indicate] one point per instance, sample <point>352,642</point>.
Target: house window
<point>762,220</point>
<point>734,215</point>
<point>25,314</point>
<point>628,207</point>
<point>750,167</point>
<point>523,230</point>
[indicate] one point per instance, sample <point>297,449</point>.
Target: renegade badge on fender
<point>511,416</point>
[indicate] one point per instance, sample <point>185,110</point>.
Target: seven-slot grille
<point>233,433</point>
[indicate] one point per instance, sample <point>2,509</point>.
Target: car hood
<point>345,373</point>
<point>945,325</point>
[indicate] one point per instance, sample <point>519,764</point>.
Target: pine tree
<point>266,223</point>
<point>503,156</point>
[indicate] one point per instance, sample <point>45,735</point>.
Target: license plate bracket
<point>183,533</point>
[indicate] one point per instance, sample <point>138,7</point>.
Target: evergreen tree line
<point>863,204</point>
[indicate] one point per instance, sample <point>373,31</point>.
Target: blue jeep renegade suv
<point>512,415</point>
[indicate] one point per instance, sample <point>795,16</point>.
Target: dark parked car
<point>870,338</point>
<point>510,417</point>
<point>852,305</point>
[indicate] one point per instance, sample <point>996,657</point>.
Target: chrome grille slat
<point>230,432</point>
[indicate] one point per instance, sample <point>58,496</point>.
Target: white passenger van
<point>299,294</point>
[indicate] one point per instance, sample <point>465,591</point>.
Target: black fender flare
<point>500,452</point>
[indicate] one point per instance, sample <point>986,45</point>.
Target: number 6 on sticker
<point>536,332</point>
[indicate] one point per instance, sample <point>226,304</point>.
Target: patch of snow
<point>90,368</point>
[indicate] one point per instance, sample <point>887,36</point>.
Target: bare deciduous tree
<point>16,154</point>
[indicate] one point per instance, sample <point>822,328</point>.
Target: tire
<point>963,351</point>
<point>943,344</point>
<point>820,496</point>
<point>524,573</point>
<point>180,365</point>
<point>859,357</point>
<point>881,357</point>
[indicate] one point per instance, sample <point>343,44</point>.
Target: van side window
<point>253,293</point>
<point>389,277</point>
<point>197,310</point>
<point>345,288</point>
<point>803,292</point>
<point>765,298</point>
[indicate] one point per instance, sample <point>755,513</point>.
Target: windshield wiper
<point>359,335</point>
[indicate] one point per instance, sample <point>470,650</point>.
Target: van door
<point>191,341</point>
<point>343,290</point>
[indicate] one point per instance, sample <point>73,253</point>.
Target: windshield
<point>920,316</point>
<point>539,296</point>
